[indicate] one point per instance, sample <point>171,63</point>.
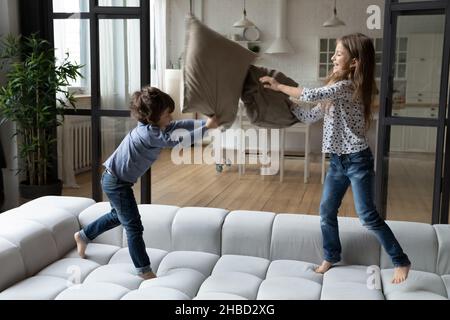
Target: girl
<point>345,104</point>
<point>134,156</point>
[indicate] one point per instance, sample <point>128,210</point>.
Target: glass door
<point>414,88</point>
<point>111,38</point>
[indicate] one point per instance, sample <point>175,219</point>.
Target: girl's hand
<point>270,83</point>
<point>212,123</point>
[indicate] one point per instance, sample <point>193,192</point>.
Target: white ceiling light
<point>244,22</point>
<point>281,44</point>
<point>334,21</point>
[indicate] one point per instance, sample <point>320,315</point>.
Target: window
<point>327,47</point>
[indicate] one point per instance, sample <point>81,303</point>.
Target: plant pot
<point>31,192</point>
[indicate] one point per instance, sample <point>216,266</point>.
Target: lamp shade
<point>334,21</point>
<point>243,23</point>
<point>280,45</point>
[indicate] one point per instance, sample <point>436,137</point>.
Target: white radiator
<point>80,133</point>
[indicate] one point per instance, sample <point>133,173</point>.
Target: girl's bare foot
<point>324,267</point>
<point>400,274</point>
<point>81,245</point>
<point>148,275</point>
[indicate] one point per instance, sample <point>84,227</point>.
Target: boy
<point>152,109</point>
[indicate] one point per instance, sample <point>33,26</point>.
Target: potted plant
<point>34,98</point>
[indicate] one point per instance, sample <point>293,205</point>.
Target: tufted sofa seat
<point>210,253</point>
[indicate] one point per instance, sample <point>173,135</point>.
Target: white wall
<point>9,24</point>
<point>304,29</point>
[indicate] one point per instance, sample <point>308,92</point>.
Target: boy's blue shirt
<point>142,145</point>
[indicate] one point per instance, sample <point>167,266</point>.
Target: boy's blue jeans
<point>356,169</point>
<point>124,212</point>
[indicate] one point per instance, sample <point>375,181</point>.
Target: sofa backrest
<point>168,228</point>
<point>443,258</point>
<point>247,233</point>
<point>419,242</point>
<point>198,229</point>
<point>299,237</point>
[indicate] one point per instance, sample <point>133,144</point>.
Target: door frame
<point>96,113</point>
<point>394,9</point>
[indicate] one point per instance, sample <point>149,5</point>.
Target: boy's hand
<point>212,122</point>
<point>270,83</point>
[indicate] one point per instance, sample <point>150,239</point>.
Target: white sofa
<point>208,253</point>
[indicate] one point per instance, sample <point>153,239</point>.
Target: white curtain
<point>158,9</point>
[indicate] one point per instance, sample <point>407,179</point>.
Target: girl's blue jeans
<point>124,212</point>
<point>357,170</point>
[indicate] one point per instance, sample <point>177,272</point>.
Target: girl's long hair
<point>360,47</point>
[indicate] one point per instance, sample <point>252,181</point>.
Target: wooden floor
<point>410,188</point>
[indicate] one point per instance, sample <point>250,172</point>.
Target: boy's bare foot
<point>81,245</point>
<point>400,274</point>
<point>148,275</point>
<point>324,267</point>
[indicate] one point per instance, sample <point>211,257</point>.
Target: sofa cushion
<point>238,283</point>
<point>93,291</point>
<point>155,293</point>
<point>35,241</point>
<point>289,288</point>
<point>351,283</point>
<point>157,221</point>
<point>443,257</point>
<point>418,241</point>
<point>187,281</point>
<point>418,285</point>
<point>114,236</point>
<point>247,233</point>
<point>60,222</point>
<point>291,280</point>
<point>74,270</point>
<point>99,253</point>
<point>35,288</point>
<point>245,264</point>
<point>12,265</point>
<point>198,229</point>
<point>293,269</point>
<point>446,280</point>
<point>123,256</point>
<point>218,296</point>
<point>73,205</point>
<point>202,262</point>
<point>214,72</point>
<point>122,274</point>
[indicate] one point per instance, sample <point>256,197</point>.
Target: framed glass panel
<point>120,63</point>
<point>418,63</point>
<point>60,6</point>
<point>118,3</point>
<point>113,130</point>
<point>72,36</point>
<point>411,173</point>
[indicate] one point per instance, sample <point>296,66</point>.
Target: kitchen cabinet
<point>414,138</point>
<point>423,69</point>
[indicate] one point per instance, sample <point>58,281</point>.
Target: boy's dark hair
<point>148,104</point>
